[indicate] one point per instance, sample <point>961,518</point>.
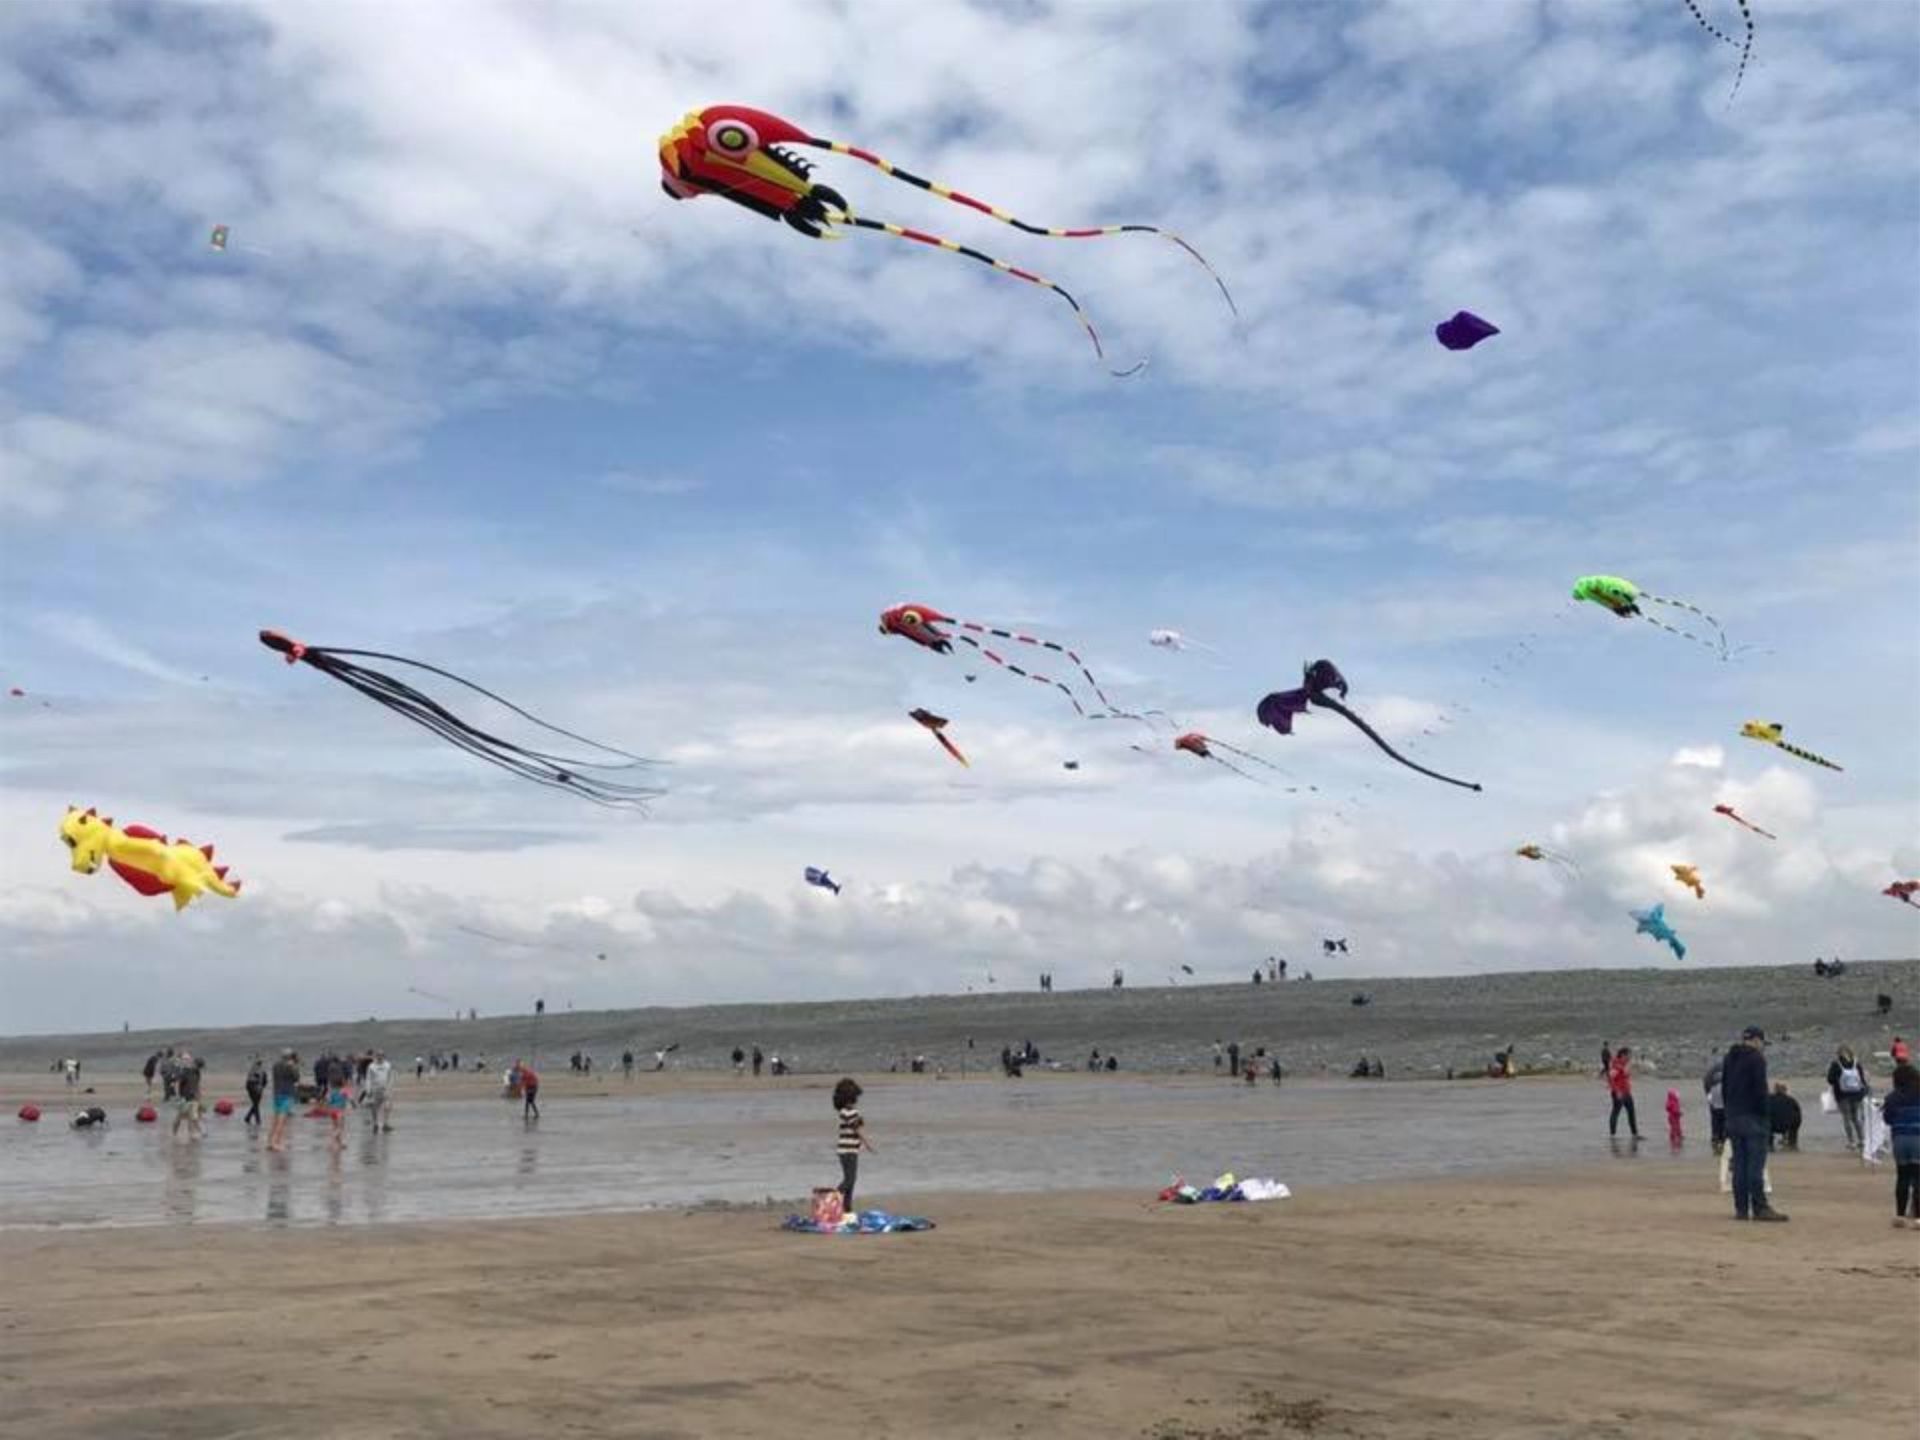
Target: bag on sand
<point>829,1205</point>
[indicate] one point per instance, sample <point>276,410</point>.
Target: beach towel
<point>867,1222</point>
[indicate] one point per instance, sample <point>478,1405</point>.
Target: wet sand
<point>1618,1300</point>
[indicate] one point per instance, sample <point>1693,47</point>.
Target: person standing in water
<point>378,1096</point>
<point>256,1087</point>
<point>1620,1088</point>
<point>286,1081</point>
<point>529,1092</point>
<point>853,1137</point>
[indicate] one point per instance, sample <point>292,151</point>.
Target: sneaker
<point>1773,1216</point>
<point>1899,1222</point>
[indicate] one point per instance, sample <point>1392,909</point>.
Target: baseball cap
<point>1753,1032</point>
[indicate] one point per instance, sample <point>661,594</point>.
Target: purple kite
<point>1319,681</point>
<point>1464,331</point>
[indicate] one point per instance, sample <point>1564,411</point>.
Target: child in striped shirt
<point>853,1137</point>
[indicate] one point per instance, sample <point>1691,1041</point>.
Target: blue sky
<point>466,385</point>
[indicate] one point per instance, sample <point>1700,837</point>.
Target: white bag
<point>1828,1105</point>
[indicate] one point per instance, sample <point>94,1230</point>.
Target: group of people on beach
<point>1752,1116</point>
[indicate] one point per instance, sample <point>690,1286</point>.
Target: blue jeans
<point>1749,1166</point>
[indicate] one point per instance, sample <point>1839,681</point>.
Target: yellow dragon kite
<point>144,858</point>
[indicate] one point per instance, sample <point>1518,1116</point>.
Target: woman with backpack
<point>1847,1078</point>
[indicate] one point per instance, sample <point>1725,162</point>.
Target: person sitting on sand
<point>1361,1069</point>
<point>1883,1003</point>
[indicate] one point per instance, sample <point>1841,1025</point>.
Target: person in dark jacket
<point>1743,1082</point>
<point>1847,1079</point>
<point>1902,1111</point>
<point>1783,1118</point>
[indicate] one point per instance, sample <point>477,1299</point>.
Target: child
<point>1902,1111</point>
<point>1674,1137</point>
<point>853,1137</point>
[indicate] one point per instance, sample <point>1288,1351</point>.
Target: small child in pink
<point>1674,1137</point>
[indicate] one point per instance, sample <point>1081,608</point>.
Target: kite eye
<point>733,138</point>
<point>70,842</point>
<point>911,617</point>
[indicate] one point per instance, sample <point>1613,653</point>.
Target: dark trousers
<point>1749,1169</point>
<point>1620,1103</point>
<point>1719,1119</point>
<point>253,1108</point>
<point>1906,1190</point>
<point>849,1172</point>
<point>530,1094</point>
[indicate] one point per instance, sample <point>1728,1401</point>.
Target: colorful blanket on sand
<point>1224,1188</point>
<point>867,1222</point>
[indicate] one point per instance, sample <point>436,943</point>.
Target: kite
<point>921,624</point>
<point>1070,765</point>
<point>817,876</point>
<point>935,724</point>
<point>1903,891</point>
<point>1770,733</point>
<point>144,858</point>
<point>1745,47</point>
<point>1328,947</point>
<point>1203,746</point>
<point>1728,811</point>
<point>557,771</point>
<point>1624,598</point>
<point>1174,640</point>
<point>1464,331</point>
<point>1654,922</point>
<point>1540,852</point>
<point>218,239</point>
<point>1187,968</point>
<point>745,156</point>
<point>1689,876</point>
<point>1318,682</point>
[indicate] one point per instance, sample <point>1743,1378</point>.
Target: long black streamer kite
<point>558,772</point>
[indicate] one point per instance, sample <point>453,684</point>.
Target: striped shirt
<point>850,1123</point>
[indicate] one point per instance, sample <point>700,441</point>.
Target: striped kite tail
<point>1808,755</point>
<point>1718,645</point>
<point>940,242</point>
<point>994,212</point>
<point>1025,674</point>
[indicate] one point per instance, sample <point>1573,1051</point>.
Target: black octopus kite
<point>1318,682</point>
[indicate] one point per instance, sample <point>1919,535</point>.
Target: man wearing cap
<point>1749,1129</point>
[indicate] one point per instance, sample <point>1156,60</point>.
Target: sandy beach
<point>1618,1300</point>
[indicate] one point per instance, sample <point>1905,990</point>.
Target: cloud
<point>95,639</point>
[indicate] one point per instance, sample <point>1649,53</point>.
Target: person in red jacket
<point>1620,1087</point>
<point>529,1091</point>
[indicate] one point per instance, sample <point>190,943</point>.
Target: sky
<point>466,385</point>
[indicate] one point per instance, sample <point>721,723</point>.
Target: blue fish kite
<point>1654,922</point>
<point>817,876</point>
<point>1464,331</point>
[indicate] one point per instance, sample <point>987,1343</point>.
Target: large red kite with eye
<point>747,156</point>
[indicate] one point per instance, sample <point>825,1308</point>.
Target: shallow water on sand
<point>464,1159</point>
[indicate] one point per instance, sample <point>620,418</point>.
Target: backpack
<point>1850,1081</point>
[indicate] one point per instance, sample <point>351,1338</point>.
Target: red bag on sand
<point>146,1115</point>
<point>223,1107</point>
<point>829,1205</point>
<point>29,1112</point>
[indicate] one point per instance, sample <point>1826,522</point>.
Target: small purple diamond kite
<point>1464,331</point>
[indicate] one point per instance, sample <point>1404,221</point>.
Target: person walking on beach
<point>1716,1105</point>
<point>1620,1088</point>
<point>1233,1058</point>
<point>1847,1079</point>
<point>529,1091</point>
<point>1674,1136</point>
<point>626,1063</point>
<point>378,1096</point>
<point>146,1071</point>
<point>337,1071</point>
<point>286,1081</point>
<point>853,1137</point>
<point>1901,1110</point>
<point>256,1087</point>
<point>1744,1088</point>
<point>186,1086</point>
<point>758,1061</point>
